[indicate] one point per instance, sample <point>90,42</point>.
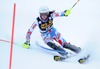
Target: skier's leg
<point>49,41</point>
<point>72,47</point>
<point>63,42</point>
<point>55,47</point>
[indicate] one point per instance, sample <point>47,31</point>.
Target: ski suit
<point>48,32</point>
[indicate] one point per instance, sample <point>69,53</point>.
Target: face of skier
<point>44,16</point>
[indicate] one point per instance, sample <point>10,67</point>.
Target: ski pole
<point>74,5</point>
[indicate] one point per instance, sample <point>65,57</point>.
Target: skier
<point>48,33</point>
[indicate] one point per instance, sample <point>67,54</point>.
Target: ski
<point>56,57</point>
<point>83,59</point>
<point>80,58</point>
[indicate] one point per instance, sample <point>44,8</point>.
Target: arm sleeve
<point>58,14</point>
<point>30,30</point>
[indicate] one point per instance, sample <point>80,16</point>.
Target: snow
<point>81,28</point>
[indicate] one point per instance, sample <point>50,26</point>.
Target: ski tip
<point>56,58</point>
<point>83,60</point>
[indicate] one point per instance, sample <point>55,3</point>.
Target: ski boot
<point>63,57</point>
<point>60,50</point>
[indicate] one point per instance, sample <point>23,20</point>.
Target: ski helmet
<point>44,9</point>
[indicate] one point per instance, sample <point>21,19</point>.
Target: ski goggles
<point>41,14</point>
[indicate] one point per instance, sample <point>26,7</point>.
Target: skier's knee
<point>52,45</point>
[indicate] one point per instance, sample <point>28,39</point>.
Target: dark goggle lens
<point>43,14</point>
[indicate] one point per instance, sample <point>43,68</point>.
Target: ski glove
<point>26,44</point>
<point>67,12</point>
